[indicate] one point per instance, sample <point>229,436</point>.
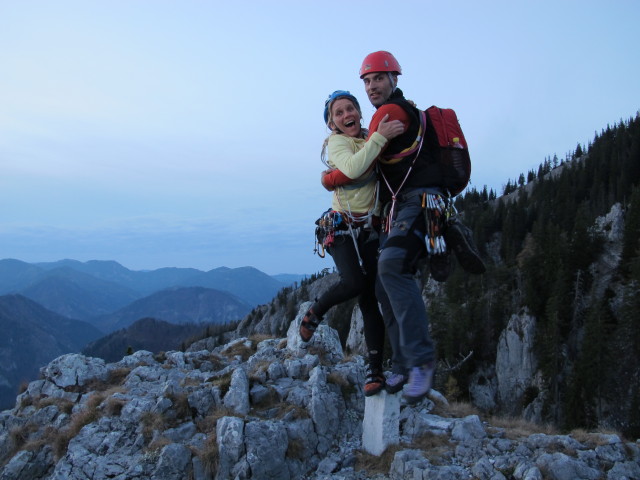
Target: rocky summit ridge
<point>265,408</point>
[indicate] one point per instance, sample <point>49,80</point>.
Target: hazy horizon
<point>189,134</point>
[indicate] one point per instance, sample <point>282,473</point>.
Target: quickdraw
<point>437,212</point>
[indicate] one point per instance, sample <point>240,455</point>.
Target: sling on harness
<point>394,195</point>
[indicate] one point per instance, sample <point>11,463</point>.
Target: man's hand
<point>390,129</point>
<point>386,112</point>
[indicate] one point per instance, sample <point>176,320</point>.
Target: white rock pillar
<point>381,424</point>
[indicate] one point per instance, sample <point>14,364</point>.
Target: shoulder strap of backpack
<point>414,147</point>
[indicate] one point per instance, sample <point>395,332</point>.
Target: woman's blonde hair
<point>363,131</point>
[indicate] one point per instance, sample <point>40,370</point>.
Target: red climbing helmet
<point>380,62</point>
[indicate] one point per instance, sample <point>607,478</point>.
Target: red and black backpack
<point>437,144</point>
<point>453,152</point>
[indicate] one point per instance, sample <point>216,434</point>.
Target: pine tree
<point>631,236</point>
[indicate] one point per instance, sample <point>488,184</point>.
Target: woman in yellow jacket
<point>354,224</point>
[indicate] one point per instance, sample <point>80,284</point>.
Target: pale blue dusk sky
<point>188,133</point>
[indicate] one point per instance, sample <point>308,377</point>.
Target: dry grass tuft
<point>62,404</point>
<point>90,414</point>
<point>223,383</point>
<point>190,382</point>
<point>115,378</point>
<point>59,438</point>
<point>94,401</point>
<point>208,424</point>
<point>181,405</point>
<point>346,387</point>
<point>293,412</point>
<point>593,439</point>
<point>455,409</point>
<point>113,407</point>
<point>209,454</point>
<point>152,421</point>
<point>160,357</point>
<point>217,362</point>
<point>256,338</point>
<point>45,438</point>
<point>239,349</point>
<point>258,371</point>
<point>158,444</point>
<point>270,400</point>
<point>516,428</point>
<point>321,353</point>
<point>376,465</point>
<point>19,436</point>
<point>26,401</point>
<point>435,447</point>
<point>118,376</point>
<point>295,449</point>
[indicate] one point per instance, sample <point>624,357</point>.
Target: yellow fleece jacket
<point>353,157</point>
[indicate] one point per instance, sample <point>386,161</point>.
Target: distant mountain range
<point>85,290</point>
<point>178,306</point>
<point>31,337</point>
<point>49,309</point>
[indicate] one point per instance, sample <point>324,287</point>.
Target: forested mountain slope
<point>553,254</point>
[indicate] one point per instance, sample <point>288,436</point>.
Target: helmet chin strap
<point>394,85</point>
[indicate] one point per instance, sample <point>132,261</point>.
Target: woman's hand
<point>391,129</point>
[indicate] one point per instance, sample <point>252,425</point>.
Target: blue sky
<point>188,134</point>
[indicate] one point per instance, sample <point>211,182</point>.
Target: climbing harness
<point>333,224</point>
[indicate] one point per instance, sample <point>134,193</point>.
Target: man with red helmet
<point>402,245</point>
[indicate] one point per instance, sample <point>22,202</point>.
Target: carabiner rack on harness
<point>437,211</point>
<point>327,225</point>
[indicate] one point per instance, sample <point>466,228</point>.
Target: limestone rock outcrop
<point>264,408</point>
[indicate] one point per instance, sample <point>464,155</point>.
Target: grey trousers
<point>398,292</point>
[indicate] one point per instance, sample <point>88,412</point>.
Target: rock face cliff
<point>265,408</point>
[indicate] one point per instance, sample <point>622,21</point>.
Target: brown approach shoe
<point>374,381</point>
<point>308,325</point>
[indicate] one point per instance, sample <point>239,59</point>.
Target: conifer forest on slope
<point>588,338</point>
